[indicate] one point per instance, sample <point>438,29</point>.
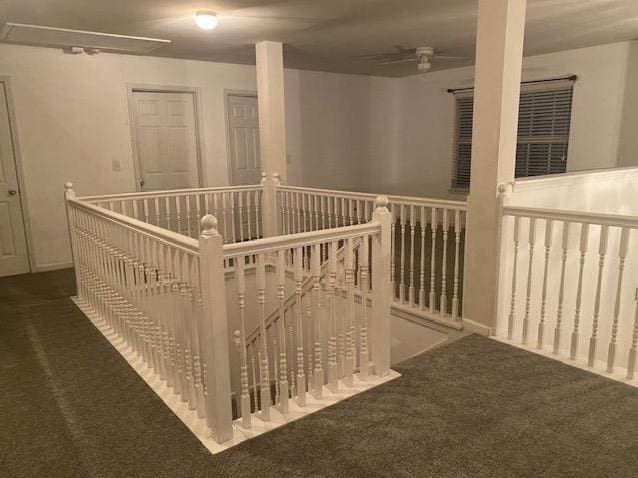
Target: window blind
<point>544,119</point>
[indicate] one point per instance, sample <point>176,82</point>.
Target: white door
<point>243,130</point>
<point>166,140</point>
<point>13,244</point>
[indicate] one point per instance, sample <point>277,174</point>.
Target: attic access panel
<point>36,35</point>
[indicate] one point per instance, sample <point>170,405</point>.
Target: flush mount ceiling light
<point>206,20</point>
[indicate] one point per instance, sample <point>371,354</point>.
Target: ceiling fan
<point>422,55</point>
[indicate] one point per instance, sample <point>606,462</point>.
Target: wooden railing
<point>238,209</point>
<point>428,238</point>
<point>164,295</point>
<point>320,338</point>
<point>151,287</point>
<point>569,285</point>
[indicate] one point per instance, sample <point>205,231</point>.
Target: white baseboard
<point>476,328</point>
<point>54,266</point>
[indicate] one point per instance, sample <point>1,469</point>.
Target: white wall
<point>73,121</point>
<point>425,147</point>
<point>343,131</point>
<point>628,149</point>
<point>338,128</point>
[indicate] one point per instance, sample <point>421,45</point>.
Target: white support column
<point>214,329</point>
<point>380,336</point>
<point>272,134</point>
<point>499,49</point>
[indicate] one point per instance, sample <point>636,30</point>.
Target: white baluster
<point>622,255</point>
<point>412,248</point>
<point>332,309</point>
<point>393,247</point>
<point>402,257</point>
<point>258,196</point>
<point>561,288</point>
<point>316,308</point>
<point>584,239</point>
<point>244,405</point>
<point>433,262</point>
<point>264,369</point>
<point>530,267</point>
<point>631,364</point>
<point>283,365</point>
<point>602,252</point>
<point>301,375</point>
<point>240,214</point>
<point>350,311</point>
<point>364,285</point>
<point>422,254</point>
<point>457,264</point>
<point>510,319</point>
<point>548,245</point>
<point>445,227</point>
<point>187,200</point>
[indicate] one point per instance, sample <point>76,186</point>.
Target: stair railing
<point>163,294</point>
<point>325,340</point>
<point>568,285</point>
<point>428,241</point>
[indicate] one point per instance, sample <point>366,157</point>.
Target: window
<point>544,118</point>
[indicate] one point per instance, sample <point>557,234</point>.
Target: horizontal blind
<point>544,120</point>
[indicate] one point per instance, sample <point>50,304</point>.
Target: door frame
<point>17,157</point>
<point>132,88</point>
<point>227,94</point>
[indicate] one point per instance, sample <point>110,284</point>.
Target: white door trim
<point>196,92</point>
<point>227,93</point>
<point>13,125</point>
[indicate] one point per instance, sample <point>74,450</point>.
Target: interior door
<point>243,126</point>
<point>166,140</point>
<point>14,258</point>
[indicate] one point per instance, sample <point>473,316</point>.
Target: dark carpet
<point>70,406</point>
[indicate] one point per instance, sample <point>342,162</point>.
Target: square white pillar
<point>499,52</point>
<point>270,93</point>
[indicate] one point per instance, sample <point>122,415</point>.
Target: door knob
<point>12,192</point>
<point>141,181</point>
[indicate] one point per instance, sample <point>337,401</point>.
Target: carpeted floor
<point>71,407</point>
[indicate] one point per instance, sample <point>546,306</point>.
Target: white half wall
<point>610,191</point>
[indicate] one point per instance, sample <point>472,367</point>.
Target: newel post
<point>214,329</point>
<point>380,336</point>
<point>69,194</point>
<point>269,204</point>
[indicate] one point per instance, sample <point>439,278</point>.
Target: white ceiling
<point>330,35</point>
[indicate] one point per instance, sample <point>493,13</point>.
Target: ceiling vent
<point>68,39</point>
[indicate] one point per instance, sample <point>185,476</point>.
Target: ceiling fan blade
<point>446,57</point>
<point>404,60</point>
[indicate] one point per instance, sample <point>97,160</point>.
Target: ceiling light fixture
<point>206,20</point>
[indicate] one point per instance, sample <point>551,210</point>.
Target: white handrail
<point>272,244</point>
<point>169,193</point>
<point>449,204</point>
<point>601,219</point>
<point>170,238</point>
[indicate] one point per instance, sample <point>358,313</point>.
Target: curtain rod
<point>560,78</point>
